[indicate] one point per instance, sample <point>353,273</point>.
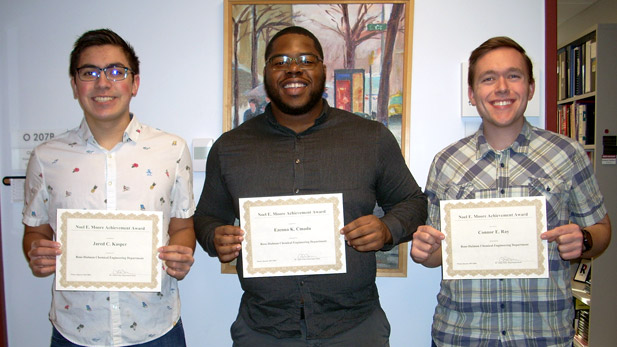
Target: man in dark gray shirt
<point>299,146</point>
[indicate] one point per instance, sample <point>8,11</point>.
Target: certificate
<point>109,250</point>
<point>494,238</point>
<point>292,235</point>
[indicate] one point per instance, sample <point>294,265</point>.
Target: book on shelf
<point>593,52</point>
<point>561,74</point>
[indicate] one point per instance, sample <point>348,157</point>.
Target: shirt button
<point>502,165</point>
<point>297,161</point>
<point>503,306</point>
<point>110,183</point>
<point>503,332</point>
<point>548,189</point>
<point>502,191</point>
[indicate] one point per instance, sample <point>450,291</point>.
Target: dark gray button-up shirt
<point>340,153</point>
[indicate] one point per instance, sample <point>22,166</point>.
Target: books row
<point>576,68</point>
<point>581,322</point>
<point>577,120</point>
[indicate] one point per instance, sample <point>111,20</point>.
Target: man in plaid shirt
<point>507,157</point>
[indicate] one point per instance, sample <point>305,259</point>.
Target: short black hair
<point>294,30</point>
<point>100,37</point>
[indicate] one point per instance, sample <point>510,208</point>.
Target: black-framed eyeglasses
<point>304,61</point>
<point>112,73</point>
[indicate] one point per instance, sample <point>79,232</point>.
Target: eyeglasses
<point>304,61</point>
<point>112,73</point>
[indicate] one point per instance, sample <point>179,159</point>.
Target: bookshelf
<point>587,111</point>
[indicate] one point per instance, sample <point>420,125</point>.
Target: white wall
<point>181,49</point>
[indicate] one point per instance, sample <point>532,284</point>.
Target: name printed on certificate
<point>109,250</point>
<point>494,238</point>
<point>292,235</point>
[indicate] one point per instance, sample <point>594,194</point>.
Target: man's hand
<point>426,241</point>
<point>228,242</point>
<point>178,260</point>
<point>367,233</point>
<point>569,240</point>
<point>42,257</point>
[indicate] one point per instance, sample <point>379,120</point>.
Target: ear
<point>74,87</point>
<point>135,86</point>
<point>532,89</point>
<point>470,94</point>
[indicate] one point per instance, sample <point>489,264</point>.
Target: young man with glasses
<point>111,162</point>
<point>302,146</point>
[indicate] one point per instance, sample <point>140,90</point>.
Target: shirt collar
<point>323,117</point>
<point>520,145</point>
<point>131,133</point>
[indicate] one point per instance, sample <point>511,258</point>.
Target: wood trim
<point>550,13</point>
<point>3,333</point>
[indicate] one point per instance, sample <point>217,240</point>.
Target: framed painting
<point>367,50</point>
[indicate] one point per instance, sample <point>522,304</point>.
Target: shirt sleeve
<point>398,194</point>
<point>586,203</point>
<point>36,198</point>
<point>182,190</point>
<point>215,207</point>
<point>433,191</point>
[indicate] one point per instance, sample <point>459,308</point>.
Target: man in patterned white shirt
<point>111,162</point>
<point>507,157</point>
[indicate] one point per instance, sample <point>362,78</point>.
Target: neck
<point>108,134</point>
<point>501,137</point>
<point>297,123</point>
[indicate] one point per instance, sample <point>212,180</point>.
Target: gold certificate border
<point>74,285</point>
<point>539,268</point>
<point>287,202</point>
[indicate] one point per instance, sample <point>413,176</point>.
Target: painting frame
<point>391,107</point>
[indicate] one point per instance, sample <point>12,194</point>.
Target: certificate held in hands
<point>109,250</point>
<point>292,235</point>
<point>494,238</point>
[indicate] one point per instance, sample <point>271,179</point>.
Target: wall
<point>180,45</point>
<point>602,11</point>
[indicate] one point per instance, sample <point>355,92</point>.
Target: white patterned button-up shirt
<point>149,170</point>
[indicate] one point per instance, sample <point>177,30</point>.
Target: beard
<point>314,97</point>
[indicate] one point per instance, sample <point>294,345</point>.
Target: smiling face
<point>104,101</point>
<point>295,92</point>
<point>501,89</point>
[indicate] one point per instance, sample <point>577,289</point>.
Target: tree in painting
<point>253,21</point>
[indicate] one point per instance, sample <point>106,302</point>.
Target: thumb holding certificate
<point>228,242</point>
<point>367,233</point>
<point>40,250</point>
<point>425,246</point>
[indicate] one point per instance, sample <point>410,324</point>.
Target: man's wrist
<point>587,240</point>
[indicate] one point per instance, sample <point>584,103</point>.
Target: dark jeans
<point>373,332</point>
<point>174,338</point>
